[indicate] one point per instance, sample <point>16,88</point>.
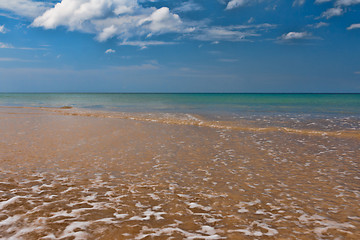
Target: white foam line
<point>169,230</point>
<point>10,220</point>
<point>124,215</point>
<point>69,230</point>
<point>196,205</point>
<point>148,213</point>
<point>327,224</point>
<point>153,196</point>
<point>23,231</point>
<point>8,202</point>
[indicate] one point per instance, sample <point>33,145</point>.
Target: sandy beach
<point>70,175</point>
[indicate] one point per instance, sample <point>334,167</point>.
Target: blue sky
<point>180,46</point>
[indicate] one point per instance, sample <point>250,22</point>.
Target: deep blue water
<point>322,104</point>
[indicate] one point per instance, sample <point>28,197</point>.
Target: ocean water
<point>180,166</point>
<point>241,104</point>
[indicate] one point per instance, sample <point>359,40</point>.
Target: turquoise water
<point>241,104</point>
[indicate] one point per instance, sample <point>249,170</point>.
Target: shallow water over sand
<point>70,174</point>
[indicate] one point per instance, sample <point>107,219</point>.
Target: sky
<point>180,46</point>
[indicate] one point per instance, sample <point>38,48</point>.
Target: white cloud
<point>332,12</point>
<point>161,21</point>
<point>15,60</point>
<point>290,36</point>
<point>5,45</point>
<point>298,3</point>
<point>145,44</point>
<point>318,25</point>
<point>321,24</point>
<point>216,34</point>
<point>109,18</point>
<point>25,8</point>
<point>188,7</point>
<point>10,46</point>
<point>236,3</point>
<point>3,29</point>
<point>322,1</point>
<point>347,2</point>
<point>110,51</point>
<point>233,33</point>
<point>228,60</point>
<point>107,33</point>
<point>354,26</point>
<point>151,65</point>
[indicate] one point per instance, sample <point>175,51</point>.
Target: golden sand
<point>69,174</point>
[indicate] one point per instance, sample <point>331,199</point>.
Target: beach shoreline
<point>68,173</point>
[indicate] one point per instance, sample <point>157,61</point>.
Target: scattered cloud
<point>145,44</point>
<point>354,26</point>
<point>236,3</point>
<point>251,20</point>
<point>15,60</point>
<point>10,46</point>
<point>233,33</point>
<point>5,45</point>
<point>110,51</point>
<point>298,3</point>
<point>152,65</point>
<point>25,8</point>
<point>318,25</point>
<point>217,33</point>
<point>347,2</point>
<point>228,60</point>
<point>188,6</point>
<point>293,37</point>
<point>357,72</point>
<point>321,24</point>
<point>322,1</point>
<point>332,12</point>
<point>3,29</point>
<point>242,3</point>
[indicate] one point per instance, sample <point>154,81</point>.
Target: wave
<point>194,120</point>
<point>200,121</point>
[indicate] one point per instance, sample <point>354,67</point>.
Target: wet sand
<point>67,174</point>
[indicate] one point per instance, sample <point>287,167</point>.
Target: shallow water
<point>80,174</point>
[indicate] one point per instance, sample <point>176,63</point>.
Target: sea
<point>207,103</point>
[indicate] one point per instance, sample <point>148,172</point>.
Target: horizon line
<point>179,92</point>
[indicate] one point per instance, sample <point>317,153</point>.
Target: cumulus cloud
<point>133,21</point>
<point>161,21</point>
<point>110,51</point>
<point>109,18</point>
<point>25,8</point>
<point>332,12</point>
<point>354,26</point>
